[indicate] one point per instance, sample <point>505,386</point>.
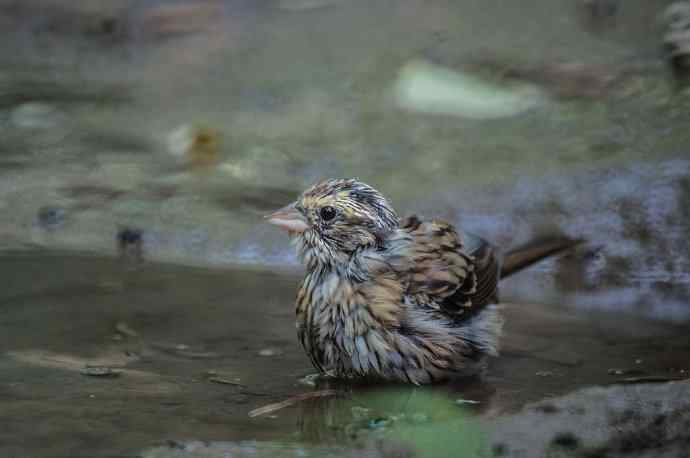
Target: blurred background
<point>188,120</point>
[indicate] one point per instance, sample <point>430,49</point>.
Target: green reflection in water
<point>397,422</point>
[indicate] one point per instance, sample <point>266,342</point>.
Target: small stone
<point>616,371</point>
<point>466,401</point>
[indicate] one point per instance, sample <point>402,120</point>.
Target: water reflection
<point>415,421</point>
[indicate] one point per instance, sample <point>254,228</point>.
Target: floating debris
<point>429,88</point>
<point>310,380</point>
<point>466,401</point>
<point>270,408</point>
<point>198,146</point>
<point>224,381</point>
<point>544,374</point>
<point>100,371</point>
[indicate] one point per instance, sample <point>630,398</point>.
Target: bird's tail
<point>522,257</point>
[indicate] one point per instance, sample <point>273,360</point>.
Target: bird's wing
<point>459,273</point>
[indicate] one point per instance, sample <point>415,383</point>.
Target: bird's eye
<point>328,213</point>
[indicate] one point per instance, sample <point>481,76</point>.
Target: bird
<point>395,299</point>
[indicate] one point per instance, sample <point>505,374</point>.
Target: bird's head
<point>335,218</point>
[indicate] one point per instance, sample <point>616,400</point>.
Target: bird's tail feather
<point>524,256</point>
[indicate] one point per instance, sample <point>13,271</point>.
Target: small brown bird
<point>404,300</point>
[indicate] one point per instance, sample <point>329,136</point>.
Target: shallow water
<point>171,329</point>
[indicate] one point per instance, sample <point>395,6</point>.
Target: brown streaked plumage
<point>405,300</point>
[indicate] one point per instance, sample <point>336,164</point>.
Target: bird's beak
<point>289,219</point>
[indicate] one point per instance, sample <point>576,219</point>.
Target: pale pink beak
<point>289,219</point>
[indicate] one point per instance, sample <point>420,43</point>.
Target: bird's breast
<point>346,325</point>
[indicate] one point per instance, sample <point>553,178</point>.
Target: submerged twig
<point>290,401</point>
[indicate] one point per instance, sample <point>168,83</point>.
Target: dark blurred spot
<point>566,440</point>
<point>499,449</point>
<point>51,218</point>
<point>659,420</point>
<point>175,444</point>
<point>130,243</point>
<point>108,26</point>
<point>546,408</point>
